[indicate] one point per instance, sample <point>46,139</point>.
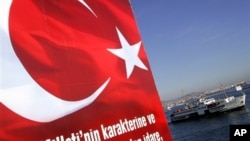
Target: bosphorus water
<point>212,128</point>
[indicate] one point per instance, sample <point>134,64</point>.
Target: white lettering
<point>152,137</point>
<point>123,126</point>
<point>239,132</point>
<point>92,135</point>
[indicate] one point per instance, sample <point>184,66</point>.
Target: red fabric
<point>63,46</point>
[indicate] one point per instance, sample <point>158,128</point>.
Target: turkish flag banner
<point>75,70</point>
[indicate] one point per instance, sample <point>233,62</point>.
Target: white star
<point>129,53</point>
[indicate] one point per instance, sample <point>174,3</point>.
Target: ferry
<point>228,103</point>
<point>191,111</point>
<point>183,114</point>
<point>210,106</point>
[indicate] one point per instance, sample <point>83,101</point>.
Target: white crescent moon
<point>29,100</point>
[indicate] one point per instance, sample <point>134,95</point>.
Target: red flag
<point>76,70</point>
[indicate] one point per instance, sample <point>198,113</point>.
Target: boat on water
<point>228,103</point>
<point>210,106</point>
<point>183,114</point>
<point>232,102</point>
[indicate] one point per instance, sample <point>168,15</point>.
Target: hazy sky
<point>195,45</point>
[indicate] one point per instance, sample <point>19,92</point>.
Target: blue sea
<point>212,128</point>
